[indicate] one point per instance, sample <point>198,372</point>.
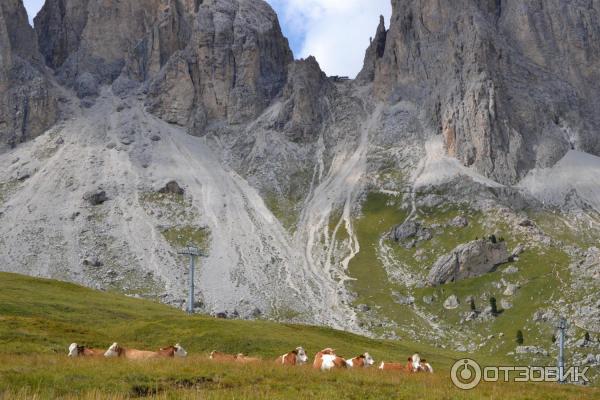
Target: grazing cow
<point>241,358</point>
<point>326,360</point>
<point>172,351</point>
<point>218,356</point>
<point>294,357</point>
<point>82,351</point>
<point>425,367</point>
<point>363,361</point>
<point>132,354</point>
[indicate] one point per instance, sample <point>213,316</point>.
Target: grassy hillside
<point>39,318</point>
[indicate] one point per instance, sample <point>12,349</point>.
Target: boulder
<point>590,359</point>
<point>511,289</point>
<point>467,261</point>
<point>531,350</point>
<point>526,223</point>
<point>451,302</point>
<point>95,197</point>
<point>459,222</point>
<point>403,300</point>
<point>411,231</point>
<point>363,308</point>
<point>172,187</point>
<point>544,316</point>
<point>506,304</point>
<point>511,269</point>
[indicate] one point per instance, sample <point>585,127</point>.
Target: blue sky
<point>336,32</point>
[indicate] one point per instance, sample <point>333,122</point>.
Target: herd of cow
<point>324,360</point>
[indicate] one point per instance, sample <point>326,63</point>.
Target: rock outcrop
<point>510,85</point>
<point>375,52</point>
<point>305,97</point>
<point>467,261</point>
<point>412,231</point>
<point>215,60</point>
<point>231,67</point>
<point>27,104</point>
<point>79,36</point>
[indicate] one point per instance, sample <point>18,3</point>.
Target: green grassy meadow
<point>40,318</point>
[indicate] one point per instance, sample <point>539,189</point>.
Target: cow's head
<point>368,359</point>
<point>180,351</point>
<point>301,357</point>
<point>328,351</point>
<point>73,350</point>
<point>114,351</point>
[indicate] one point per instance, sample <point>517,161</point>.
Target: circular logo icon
<point>465,374</point>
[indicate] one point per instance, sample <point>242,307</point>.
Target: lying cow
<point>414,364</point>
<point>133,354</point>
<point>173,351</point>
<point>389,366</point>
<point>326,360</point>
<point>218,356</point>
<point>241,358</point>
<point>294,357</point>
<point>81,351</point>
<point>419,365</point>
<point>363,361</point>
<point>425,367</point>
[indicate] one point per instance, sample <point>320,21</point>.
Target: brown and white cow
<point>326,360</point>
<point>219,356</point>
<point>425,367</point>
<point>173,351</point>
<point>414,364</point>
<point>295,357</point>
<point>133,354</point>
<point>390,366</point>
<point>81,351</point>
<point>241,358</point>
<point>363,361</point>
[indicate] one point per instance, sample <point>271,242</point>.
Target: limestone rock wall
<point>510,85</point>
<point>27,104</point>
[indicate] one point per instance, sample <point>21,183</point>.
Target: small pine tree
<point>520,339</point>
<point>587,337</point>
<point>472,304</point>
<point>493,306</point>
<point>493,239</point>
<point>553,338</point>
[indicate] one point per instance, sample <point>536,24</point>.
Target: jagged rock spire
<point>374,52</point>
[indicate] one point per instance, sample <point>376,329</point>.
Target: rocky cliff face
<point>231,62</point>
<point>203,61</point>
<point>510,85</point>
<point>27,106</point>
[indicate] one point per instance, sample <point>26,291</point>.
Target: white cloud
<point>336,32</point>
